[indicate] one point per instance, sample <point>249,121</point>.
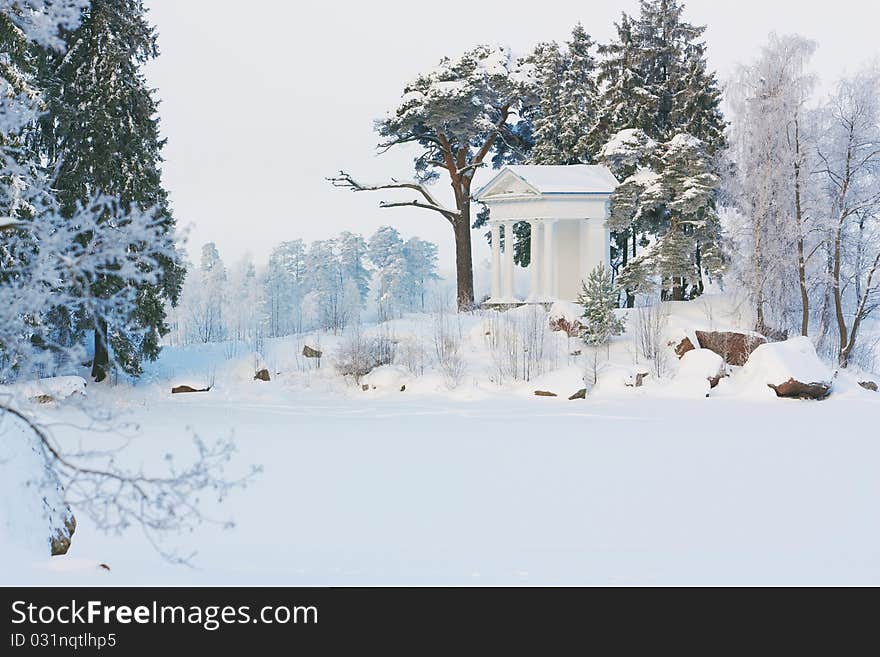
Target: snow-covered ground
<point>489,484</point>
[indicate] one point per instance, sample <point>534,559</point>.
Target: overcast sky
<point>260,100</point>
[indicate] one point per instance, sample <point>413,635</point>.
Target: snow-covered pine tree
<point>459,114</point>
<point>547,118</point>
<point>655,79</point>
<point>562,111</point>
<point>686,231</point>
<point>579,100</point>
<point>385,250</point>
<point>352,251</point>
<point>213,277</point>
<point>285,286</point>
<point>421,270</point>
<point>101,132</point>
<point>599,299</point>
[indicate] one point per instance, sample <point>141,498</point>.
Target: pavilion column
<point>496,259</point>
<point>599,246</point>
<point>507,291</point>
<point>586,264</point>
<point>549,285</point>
<point>535,260</point>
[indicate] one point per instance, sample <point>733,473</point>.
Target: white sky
<point>262,99</point>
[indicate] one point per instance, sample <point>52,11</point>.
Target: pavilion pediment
<point>508,183</point>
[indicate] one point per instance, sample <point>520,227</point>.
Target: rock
<point>178,389</point>
<point>869,385</point>
<point>790,368</point>
<point>684,346</point>
<point>734,347</point>
<point>262,375</point>
<point>545,393</point>
<point>699,365</point>
<point>580,394</point>
<point>800,390</point>
<point>310,352</point>
<point>638,380</point>
<point>59,542</point>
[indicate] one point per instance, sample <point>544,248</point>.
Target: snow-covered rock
<point>788,369</point>
<point>54,388</point>
<point>698,369</point>
<point>386,377</point>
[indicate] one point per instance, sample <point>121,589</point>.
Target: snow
<point>29,504</point>
<point>562,179</point>
<point>777,362</point>
<point>695,369</point>
<point>485,483</point>
<point>55,388</point>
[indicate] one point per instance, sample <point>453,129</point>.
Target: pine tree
<point>387,257</point>
<point>213,278</point>
<point>285,287</point>
<point>352,256</point>
<point>599,299</point>
<point>579,100</point>
<point>656,83</point>
<point>687,231</point>
<point>102,133</point>
<point>421,269</point>
<point>547,116</point>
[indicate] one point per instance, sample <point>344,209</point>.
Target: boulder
<point>47,390</point>
<point>800,390</point>
<point>310,352</point>
<point>637,380</point>
<point>869,385</point>
<point>684,346</point>
<point>545,393</point>
<point>734,347</point>
<point>178,389</point>
<point>701,365</point>
<point>262,375</point>
<point>790,368</point>
<point>580,394</point>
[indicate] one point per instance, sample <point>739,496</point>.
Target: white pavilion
<point>567,209</point>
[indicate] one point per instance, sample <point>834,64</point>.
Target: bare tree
<point>116,498</point>
<point>850,168</point>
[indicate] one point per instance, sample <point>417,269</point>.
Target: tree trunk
<point>799,218</point>
<point>464,267</point>
<point>101,361</point>
<point>843,333</point>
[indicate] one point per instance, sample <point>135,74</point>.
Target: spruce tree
<point>656,83</point>
<point>599,299</point>
<point>579,101</point>
<point>102,134</point>
<point>547,119</point>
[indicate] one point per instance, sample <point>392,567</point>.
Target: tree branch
<point>346,181</point>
